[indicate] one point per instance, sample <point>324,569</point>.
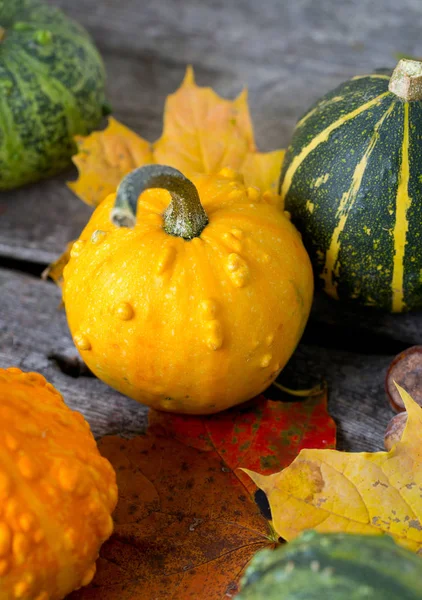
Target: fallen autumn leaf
<point>185,524</point>
<point>202,134</point>
<point>376,493</point>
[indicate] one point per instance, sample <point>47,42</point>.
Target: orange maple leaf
<point>185,524</point>
<point>362,492</point>
<point>104,157</point>
<point>202,134</point>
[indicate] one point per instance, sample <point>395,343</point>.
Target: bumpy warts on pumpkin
<point>189,322</point>
<point>56,492</point>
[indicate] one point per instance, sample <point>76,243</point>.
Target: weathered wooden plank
<point>32,329</point>
<point>37,221</point>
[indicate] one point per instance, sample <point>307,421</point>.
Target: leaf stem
<point>314,391</point>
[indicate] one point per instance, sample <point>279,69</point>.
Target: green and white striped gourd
<point>352,180</point>
<point>51,88</point>
<point>334,566</point>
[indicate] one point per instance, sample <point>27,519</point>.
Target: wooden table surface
<point>287,53</point>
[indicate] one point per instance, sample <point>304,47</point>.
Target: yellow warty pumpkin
<point>56,492</point>
<point>196,303</point>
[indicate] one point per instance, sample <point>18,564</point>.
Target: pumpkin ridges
<point>412,260</point>
<point>317,108</point>
<point>401,224</point>
<point>320,138</point>
<point>349,95</point>
<point>330,272</point>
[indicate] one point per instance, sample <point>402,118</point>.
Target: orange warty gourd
<point>189,296</point>
<point>56,492</point>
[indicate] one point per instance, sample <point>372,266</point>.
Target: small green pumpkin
<point>51,88</point>
<point>334,566</point>
<point>352,182</point>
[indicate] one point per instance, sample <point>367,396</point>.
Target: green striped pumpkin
<point>51,88</point>
<point>334,566</point>
<point>352,180</point>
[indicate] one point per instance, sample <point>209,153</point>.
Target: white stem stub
<point>406,80</point>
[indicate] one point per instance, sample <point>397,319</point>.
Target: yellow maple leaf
<point>104,157</point>
<point>262,169</point>
<point>202,133</point>
<point>368,493</point>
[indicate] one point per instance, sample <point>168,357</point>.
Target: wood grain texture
<point>32,329</point>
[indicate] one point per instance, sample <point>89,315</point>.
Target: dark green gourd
<point>334,566</point>
<point>352,180</point>
<point>51,88</point>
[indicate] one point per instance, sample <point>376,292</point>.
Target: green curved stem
<point>406,80</point>
<point>184,217</point>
